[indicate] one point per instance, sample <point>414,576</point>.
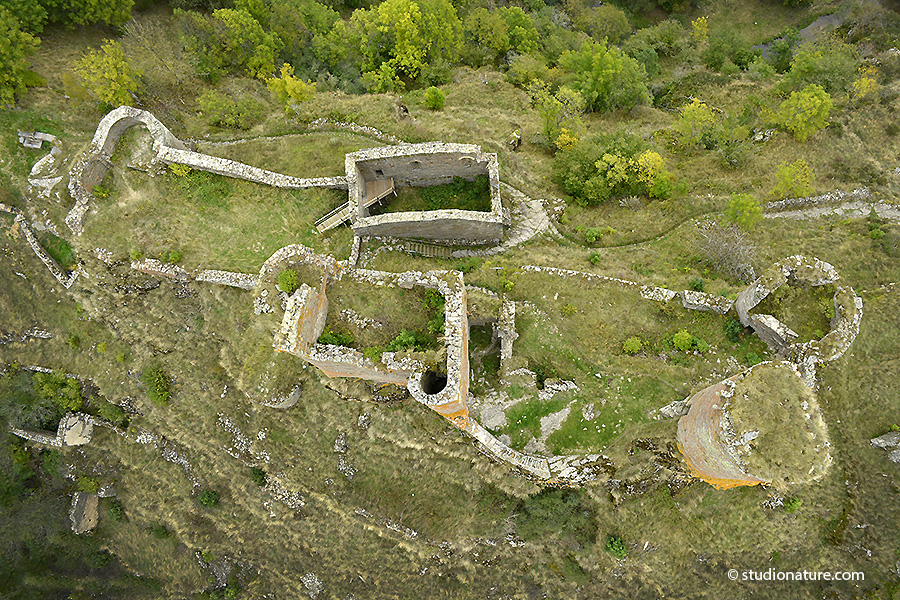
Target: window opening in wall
<point>415,164</point>
<point>379,173</point>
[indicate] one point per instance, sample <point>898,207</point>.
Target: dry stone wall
<point>65,279</point>
<point>423,165</point>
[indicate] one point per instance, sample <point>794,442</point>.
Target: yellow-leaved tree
<point>290,90</point>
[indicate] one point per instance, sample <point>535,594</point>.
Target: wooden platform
<point>376,190</point>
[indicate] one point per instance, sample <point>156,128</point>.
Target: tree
<point>830,64</point>
<point>696,120</point>
<point>399,38</point>
<point>805,112</point>
<point>793,180</point>
<point>108,75</point>
<point>15,48</point>
<point>486,36</point>
<point>700,30</point>
<point>559,110</point>
<point>290,90</point>
<point>727,249</point>
<point>607,78</point>
<point>743,210</point>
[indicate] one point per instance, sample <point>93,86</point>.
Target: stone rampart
<point>808,271</point>
<point>506,331</point>
<point>238,170</point>
<point>424,165</point>
<point>692,300</point>
<point>238,280</point>
<point>75,429</point>
<point>777,336</point>
<point>648,292</point>
<point>65,279</point>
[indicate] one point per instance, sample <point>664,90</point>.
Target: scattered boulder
<point>889,442</point>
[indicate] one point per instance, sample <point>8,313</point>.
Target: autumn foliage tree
<point>15,48</point>
<point>606,77</point>
<point>805,112</point>
<point>108,75</point>
<point>290,90</point>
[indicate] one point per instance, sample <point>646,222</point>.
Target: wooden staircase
<point>375,191</point>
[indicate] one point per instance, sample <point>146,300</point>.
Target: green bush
<point>594,258</point>
<point>697,284</point>
<point>89,485</point>
<point>683,341</point>
<point>223,111</point>
<point>288,281</point>
<point>157,384</point>
<point>258,476</point>
<point>208,498</point>
<point>632,345</point>
<point>753,358</point>
<point>112,413</point>
<point>615,545</point>
<point>65,392</point>
<point>743,210</point>
<point>171,257</point>
<point>159,531</point>
<point>793,180</point>
<point>733,329</point>
<point>701,345</point>
<point>336,338</point>
<point>434,98</point>
<point>136,254</point>
<point>116,512</point>
<point>556,512</point>
<point>73,341</point>
<point>792,505</point>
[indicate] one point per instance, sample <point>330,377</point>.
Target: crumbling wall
<point>700,443</point>
<point>810,271</point>
<point>648,292</point>
<point>693,300</point>
<point>57,271</point>
<point>506,331</point>
<point>423,165</point>
<point>238,170</point>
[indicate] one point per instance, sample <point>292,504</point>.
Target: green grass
<point>59,249</point>
<point>461,194</point>
<point>217,222</point>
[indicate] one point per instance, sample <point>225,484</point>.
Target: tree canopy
<point>606,77</point>
<point>15,48</point>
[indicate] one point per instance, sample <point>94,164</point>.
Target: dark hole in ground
<point>433,382</point>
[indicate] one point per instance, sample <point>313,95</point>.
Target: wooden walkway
<point>431,250</point>
<point>375,191</point>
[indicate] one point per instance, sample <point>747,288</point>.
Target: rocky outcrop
<point>889,442</point>
<point>692,300</point>
<point>84,514</point>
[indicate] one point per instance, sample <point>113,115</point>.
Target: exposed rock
<point>692,300</point>
<point>75,429</point>
<point>84,513</point>
<point>675,409</point>
<point>891,443</point>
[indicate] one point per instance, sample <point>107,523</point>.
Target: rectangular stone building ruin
<point>423,165</point>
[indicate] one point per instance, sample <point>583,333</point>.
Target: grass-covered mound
<point>792,445</point>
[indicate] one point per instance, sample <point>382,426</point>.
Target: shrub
<point>792,505</point>
<point>726,47</point>
<point>743,210</point>
<point>288,281</point>
<point>753,358</point>
<point>59,389</point>
<point>208,498</point>
<point>701,345</point>
<point>793,180</point>
<point>111,412</point>
<point>116,512</point>
<point>336,338</point>
<point>727,249</point>
<point>805,112</point>
<point>121,357</point>
<point>697,284</point>
<point>733,329</point>
<point>556,512</point>
<point>101,348</point>
<point>157,384</point>
<point>434,98</point>
<point>615,545</point>
<point>89,485</point>
<point>632,345</point>
<point>258,476</point>
<point>594,258</point>
<point>829,63</point>
<point>568,310</point>
<point>159,531</point>
<point>73,341</point>
<point>171,257</point>
<point>405,340</point>
<point>683,340</point>
<point>136,253</point>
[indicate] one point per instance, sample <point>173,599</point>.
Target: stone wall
<point>648,292</point>
<point>692,300</point>
<point>94,163</point>
<point>424,165</point>
<point>809,271</point>
<point>65,279</point>
<point>232,168</point>
<point>506,331</point>
<point>75,429</point>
